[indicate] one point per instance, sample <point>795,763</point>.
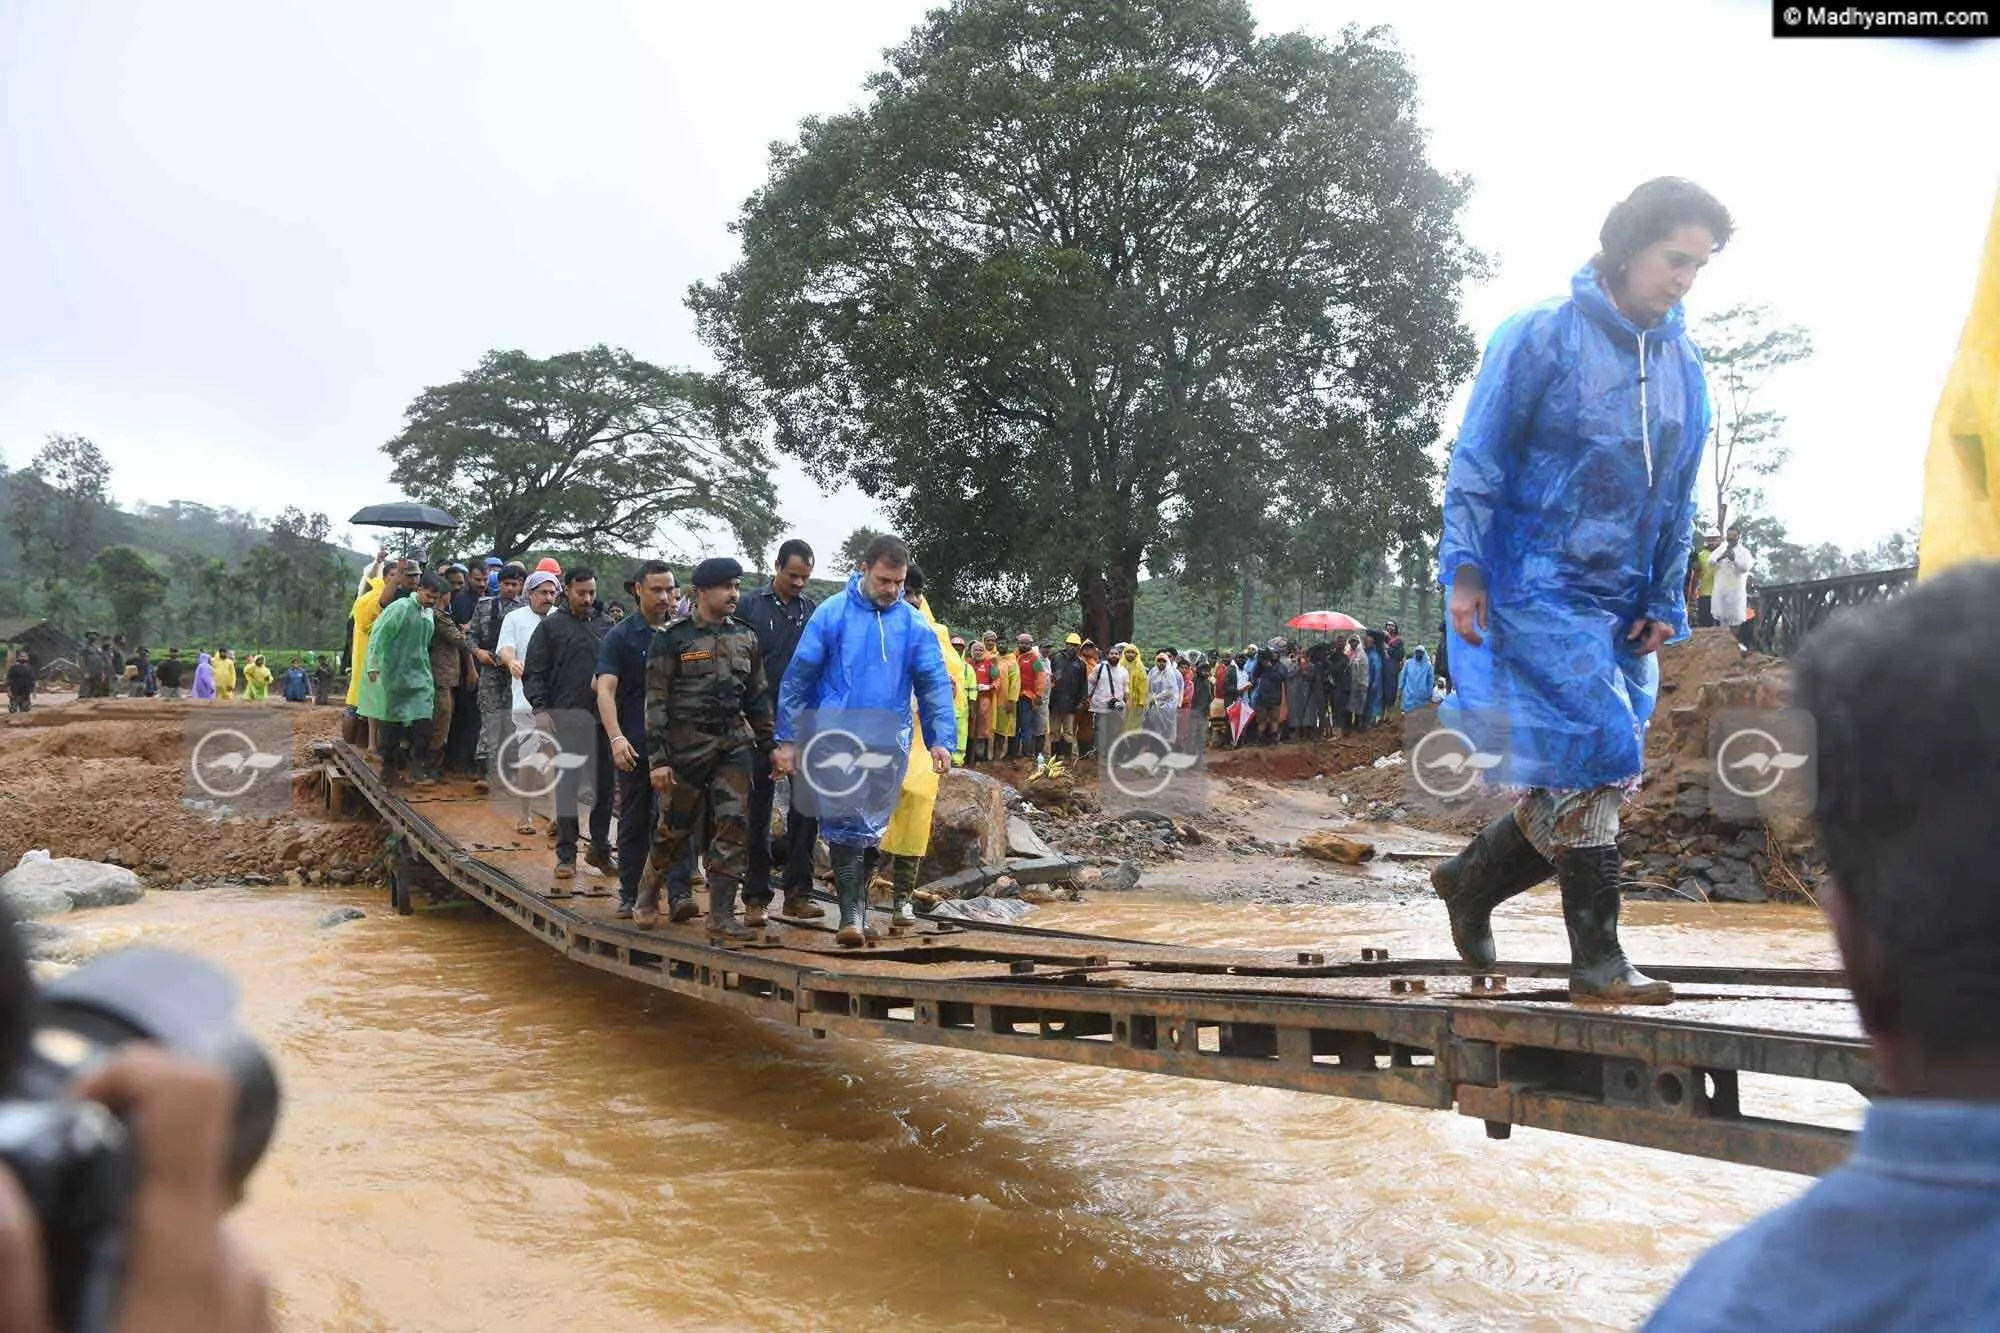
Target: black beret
<point>716,569</point>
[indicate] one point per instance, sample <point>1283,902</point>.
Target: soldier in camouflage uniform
<point>707,713</point>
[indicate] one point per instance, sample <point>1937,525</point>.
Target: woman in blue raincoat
<point>1414,690</point>
<point>1568,512</point>
<point>844,718</point>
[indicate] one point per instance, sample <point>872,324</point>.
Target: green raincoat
<point>396,677</point>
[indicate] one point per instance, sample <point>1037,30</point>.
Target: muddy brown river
<point>480,1136</point>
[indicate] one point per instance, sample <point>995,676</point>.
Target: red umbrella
<point>1324,620</point>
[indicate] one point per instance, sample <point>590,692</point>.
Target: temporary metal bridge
<point>1504,1045</point>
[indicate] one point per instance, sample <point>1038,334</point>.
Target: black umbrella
<point>405,514</point>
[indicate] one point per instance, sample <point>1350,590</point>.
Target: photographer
<point>182,1271</point>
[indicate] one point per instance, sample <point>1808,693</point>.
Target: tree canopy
<point>585,449</point>
<point>1742,349</point>
<point>1109,284</point>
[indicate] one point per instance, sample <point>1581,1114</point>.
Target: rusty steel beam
<point>1653,1080</point>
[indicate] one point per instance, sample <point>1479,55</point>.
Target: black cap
<point>715,570</point>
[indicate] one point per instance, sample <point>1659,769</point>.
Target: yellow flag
<point>1962,470</point>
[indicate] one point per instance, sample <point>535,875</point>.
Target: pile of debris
<point>1674,843</point>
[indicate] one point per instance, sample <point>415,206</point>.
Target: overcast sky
<point>238,236</point>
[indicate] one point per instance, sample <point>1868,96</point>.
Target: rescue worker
<point>1066,696</point>
<point>863,655</point>
<point>707,712</point>
<point>1568,512</point>
<point>225,675</point>
<point>908,836</point>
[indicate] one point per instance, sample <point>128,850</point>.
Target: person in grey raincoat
<point>1568,512</point>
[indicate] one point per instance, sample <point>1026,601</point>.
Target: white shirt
<point>1107,687</point>
<point>515,631</point>
<point>1730,601</point>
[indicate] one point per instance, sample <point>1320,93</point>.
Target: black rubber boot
<point>1598,968</point>
<point>850,885</point>
<point>1497,865</point>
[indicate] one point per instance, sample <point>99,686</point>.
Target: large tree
<point>1742,350</point>
<point>134,588</point>
<point>59,503</point>
<point>583,449</point>
<point>1110,283</point>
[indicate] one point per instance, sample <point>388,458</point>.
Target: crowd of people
<point>1026,700</point>
<point>107,668</point>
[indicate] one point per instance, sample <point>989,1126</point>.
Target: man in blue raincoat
<point>844,705</point>
<point>1567,518</point>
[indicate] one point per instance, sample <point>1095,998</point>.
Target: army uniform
<point>707,713</point>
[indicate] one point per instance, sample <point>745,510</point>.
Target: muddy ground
<point>106,780</point>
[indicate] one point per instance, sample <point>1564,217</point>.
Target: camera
<point>75,1160</point>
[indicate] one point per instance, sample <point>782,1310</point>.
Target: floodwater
<point>480,1136</point>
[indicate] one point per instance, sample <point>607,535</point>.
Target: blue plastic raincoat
<point>1417,681</point>
<point>1572,491</point>
<point>858,658</point>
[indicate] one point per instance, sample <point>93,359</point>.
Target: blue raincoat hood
<point>1571,490</point>
<point>865,661</point>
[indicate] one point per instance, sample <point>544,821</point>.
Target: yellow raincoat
<point>1006,693</point>
<point>909,831</point>
<point>367,607</point>
<point>1136,688</point>
<point>256,679</point>
<point>225,676</point>
<point>962,695</point>
<point>1962,470</point>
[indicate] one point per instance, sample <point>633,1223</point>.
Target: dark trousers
<point>801,832</point>
<point>638,807</point>
<point>1703,616</point>
<point>603,787</point>
<point>403,742</point>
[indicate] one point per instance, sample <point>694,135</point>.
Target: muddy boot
<point>1598,969</point>
<point>1496,866</point>
<point>722,919</point>
<point>646,900</point>
<point>850,883</point>
<point>602,859</point>
<point>802,906</point>
<point>683,909</point>
<point>756,915</point>
<point>903,872</point>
